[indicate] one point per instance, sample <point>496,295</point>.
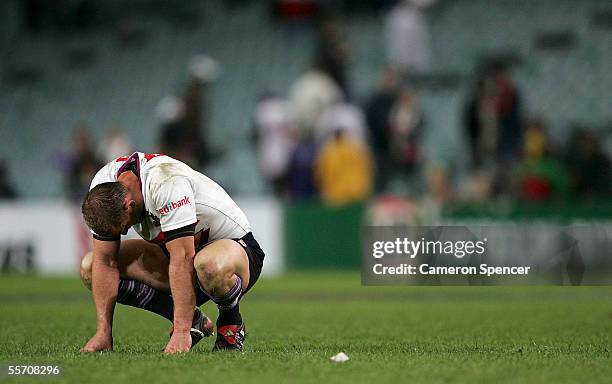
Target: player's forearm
<point>105,284</point>
<point>182,275</point>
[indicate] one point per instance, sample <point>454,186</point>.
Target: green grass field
<point>295,323</point>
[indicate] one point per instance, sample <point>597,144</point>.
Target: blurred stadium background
<point>317,116</point>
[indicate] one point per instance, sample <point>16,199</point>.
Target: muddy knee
<point>86,263</point>
<point>214,277</point>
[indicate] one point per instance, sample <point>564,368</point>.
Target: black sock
<point>229,310</point>
<point>229,316</point>
<point>140,295</point>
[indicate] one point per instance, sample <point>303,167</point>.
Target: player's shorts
<point>256,257</point>
<point>254,253</point>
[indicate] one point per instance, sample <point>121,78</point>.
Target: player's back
<point>215,209</point>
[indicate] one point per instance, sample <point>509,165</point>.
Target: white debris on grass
<point>340,358</point>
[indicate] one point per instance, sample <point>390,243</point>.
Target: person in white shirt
<point>407,37</point>
<point>196,245</point>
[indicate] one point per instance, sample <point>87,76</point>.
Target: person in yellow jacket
<point>343,170</point>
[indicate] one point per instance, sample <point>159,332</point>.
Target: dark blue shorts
<point>255,255</point>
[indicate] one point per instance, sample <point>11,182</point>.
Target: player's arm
<point>175,203</point>
<point>104,286</point>
<point>182,276</point>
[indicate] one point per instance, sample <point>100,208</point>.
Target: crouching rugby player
<point>197,246</point>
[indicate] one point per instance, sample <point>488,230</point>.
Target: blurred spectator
<point>478,186</point>
<point>508,109</point>
<point>294,10</point>
<point>310,95</point>
<point>588,166</point>
<point>439,187</point>
<point>407,37</point>
<point>276,140</point>
<point>341,116</point>
<point>301,169</point>
<point>203,71</point>
<point>480,123</point>
<point>540,175</point>
<point>343,170</point>
<point>171,113</point>
<point>333,53</point>
<point>439,192</point>
<point>406,126</point>
<point>192,146</point>
<point>7,190</point>
<point>114,145</point>
<point>378,117</point>
<point>83,163</point>
<point>184,120</point>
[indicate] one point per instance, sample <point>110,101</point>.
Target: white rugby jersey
<point>176,196</point>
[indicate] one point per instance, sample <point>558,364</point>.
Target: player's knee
<point>86,263</point>
<point>210,272</point>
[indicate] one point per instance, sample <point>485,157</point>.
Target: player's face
<point>122,227</point>
<point>132,217</point>
<point>125,223</point>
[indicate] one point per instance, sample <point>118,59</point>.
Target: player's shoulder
<point>163,169</point>
<point>166,176</point>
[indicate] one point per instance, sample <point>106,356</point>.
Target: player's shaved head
<point>103,208</point>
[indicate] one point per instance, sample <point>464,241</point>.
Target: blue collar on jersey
<point>132,163</point>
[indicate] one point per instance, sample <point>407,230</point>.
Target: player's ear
<point>127,203</point>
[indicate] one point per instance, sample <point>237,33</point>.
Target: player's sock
<point>229,316</point>
<point>140,295</point>
<point>229,310</point>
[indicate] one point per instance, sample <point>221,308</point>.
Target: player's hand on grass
<point>99,342</point>
<point>179,342</point>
